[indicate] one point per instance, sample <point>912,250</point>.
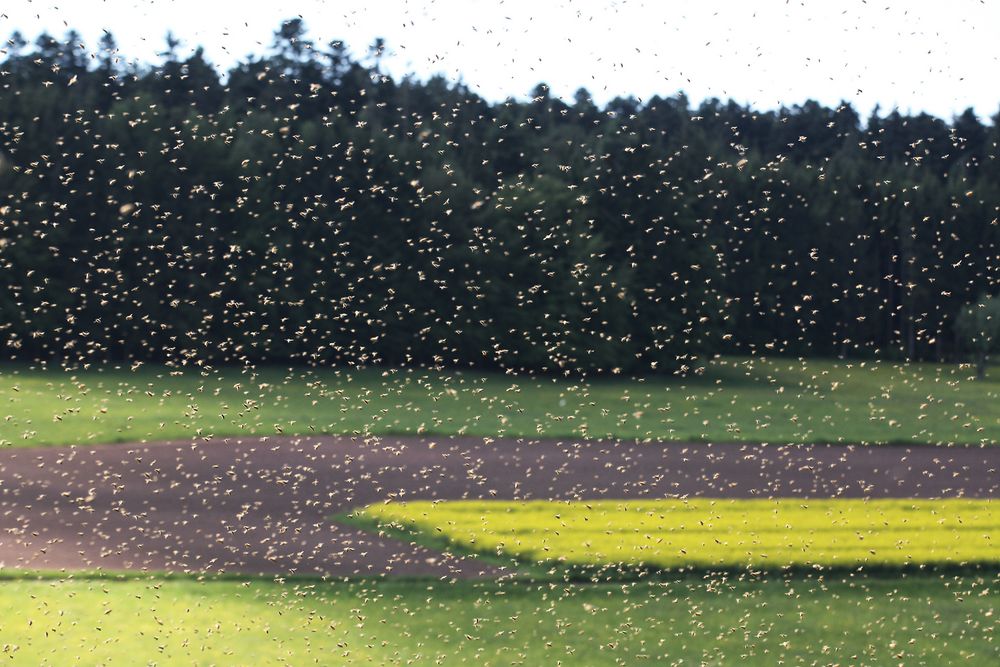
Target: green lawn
<point>918,620</point>
<point>733,399</point>
<point>705,533</point>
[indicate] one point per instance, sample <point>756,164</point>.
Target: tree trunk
<point>981,366</point>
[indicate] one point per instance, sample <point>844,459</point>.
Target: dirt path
<point>260,505</point>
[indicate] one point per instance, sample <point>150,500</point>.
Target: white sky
<point>926,55</point>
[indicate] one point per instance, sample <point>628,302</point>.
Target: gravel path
<point>259,505</point>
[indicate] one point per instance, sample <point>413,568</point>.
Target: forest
<point>307,208</point>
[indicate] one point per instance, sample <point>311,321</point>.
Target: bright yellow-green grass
<point>707,533</point>
<point>918,620</point>
<point>774,400</point>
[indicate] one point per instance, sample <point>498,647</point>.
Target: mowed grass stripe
<point>801,620</point>
<point>707,532</point>
<point>733,399</point>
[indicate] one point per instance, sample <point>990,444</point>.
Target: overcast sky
<point>939,57</point>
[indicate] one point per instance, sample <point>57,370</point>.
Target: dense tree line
<point>305,207</point>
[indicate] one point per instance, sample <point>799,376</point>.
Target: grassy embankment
<point>794,621</point>
<point>778,400</point>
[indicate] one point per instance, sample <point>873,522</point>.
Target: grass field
<point>733,399</point>
<point>801,619</point>
<point>706,533</point>
<point>918,620</point>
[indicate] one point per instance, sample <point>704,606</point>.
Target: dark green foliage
<point>306,208</point>
<point>978,329</point>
